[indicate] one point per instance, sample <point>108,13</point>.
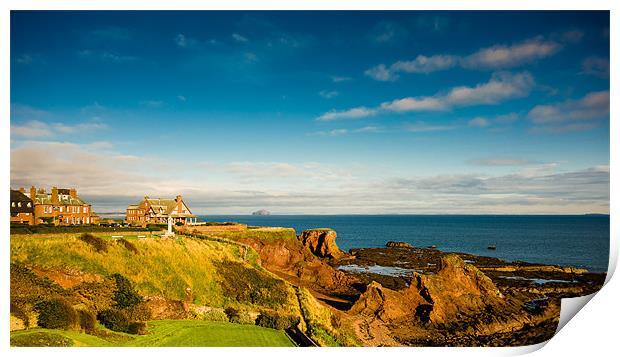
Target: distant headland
<point>261,212</point>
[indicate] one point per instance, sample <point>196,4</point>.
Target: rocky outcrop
<point>321,242</point>
<point>456,289</point>
<point>392,244</point>
<point>289,259</point>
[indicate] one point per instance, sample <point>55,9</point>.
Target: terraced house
<point>158,210</point>
<point>61,206</point>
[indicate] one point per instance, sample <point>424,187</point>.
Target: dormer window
<point>19,204</point>
<point>28,204</point>
<point>12,204</point>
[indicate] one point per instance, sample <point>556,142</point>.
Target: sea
<point>576,240</point>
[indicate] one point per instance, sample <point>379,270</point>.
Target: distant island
<point>261,212</point>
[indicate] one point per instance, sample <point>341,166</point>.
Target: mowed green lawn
<point>168,333</point>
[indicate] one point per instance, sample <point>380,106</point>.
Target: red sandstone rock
<point>321,242</point>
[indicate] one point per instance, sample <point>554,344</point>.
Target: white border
<point>594,330</point>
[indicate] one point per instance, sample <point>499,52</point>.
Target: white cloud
<point>328,94</point>
<point>415,104</point>
<point>31,129</point>
<point>107,56</point>
<point>491,58</point>
<point>24,58</point>
<point>501,56</point>
<point>594,105</point>
<point>502,86</point>
<point>38,129</point>
<point>182,98</point>
<point>239,38</point>
<point>381,73</point>
<point>354,113</point>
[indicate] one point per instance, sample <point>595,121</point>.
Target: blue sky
<point>316,112</point>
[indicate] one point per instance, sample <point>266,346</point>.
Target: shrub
<point>139,312</point>
<point>56,313</point>
<point>231,313</point>
<point>41,339</point>
<point>276,321</point>
<point>87,320</point>
<point>125,295</point>
<point>114,319</point>
<point>95,295</point>
<point>129,246</point>
<point>136,328</point>
<point>96,242</point>
<point>215,315</point>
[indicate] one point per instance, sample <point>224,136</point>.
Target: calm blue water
<point>581,241</point>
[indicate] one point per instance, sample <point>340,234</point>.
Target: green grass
<point>179,333</point>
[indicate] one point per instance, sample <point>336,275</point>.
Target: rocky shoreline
<point>467,300</point>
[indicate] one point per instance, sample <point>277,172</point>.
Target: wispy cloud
<point>502,56</point>
<point>423,127</point>
<point>387,32</point>
<point>500,161</point>
<point>239,38</point>
<point>485,121</point>
<point>421,64</point>
<point>353,113</point>
<point>596,66</point>
<point>107,56</point>
<point>594,105</point>
<point>338,79</point>
<point>39,129</point>
<point>502,86</point>
<point>328,94</point>
<point>491,58</point>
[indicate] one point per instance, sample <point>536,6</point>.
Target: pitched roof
<point>19,197</point>
<point>46,198</point>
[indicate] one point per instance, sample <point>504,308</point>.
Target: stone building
<point>61,206</point>
<point>158,210</point>
<point>22,209</point>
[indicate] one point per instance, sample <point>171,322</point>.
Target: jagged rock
<point>457,289</point>
<point>392,244</point>
<point>321,242</point>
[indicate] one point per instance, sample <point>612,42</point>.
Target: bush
<point>96,295</point>
<point>231,313</point>
<point>129,246</point>
<point>96,242</point>
<point>276,321</point>
<point>137,328</point>
<point>56,313</point>
<point>87,320</point>
<point>114,319</point>
<point>125,295</point>
<point>139,312</point>
<point>215,315</point>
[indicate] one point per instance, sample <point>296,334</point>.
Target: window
<point>19,204</point>
<point>12,204</point>
<point>28,204</point>
<point>61,209</point>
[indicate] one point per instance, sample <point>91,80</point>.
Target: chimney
<point>178,199</point>
<point>73,193</point>
<point>33,193</point>
<point>22,190</point>
<point>55,196</point>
